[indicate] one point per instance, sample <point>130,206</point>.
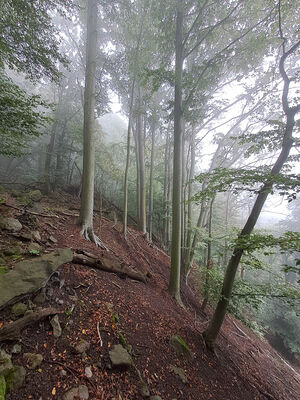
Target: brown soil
<point>243,367</point>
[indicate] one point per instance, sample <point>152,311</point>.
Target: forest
<point>149,199</point>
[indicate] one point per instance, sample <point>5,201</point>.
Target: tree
<point>87,195</point>
<point>36,55</point>
<point>211,333</point>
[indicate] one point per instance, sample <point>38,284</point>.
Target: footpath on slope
<point>99,310</point>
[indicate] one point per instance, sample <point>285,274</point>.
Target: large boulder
<point>10,224</point>
<point>31,275</point>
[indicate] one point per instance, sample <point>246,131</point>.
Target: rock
<point>16,349</point>
<point>180,346</point>
<point>36,236</point>
<point>155,397</point>
<point>11,224</point>
<point>28,312</point>
<point>37,208</point>
<point>63,373</point>
<point>34,247</point>
<point>2,387</point>
<point>30,275</point>
<point>35,195</point>
<point>88,372</point>
<point>16,378</point>
<point>83,392</point>
<point>119,357</point>
<point>13,251</point>
<point>34,359</point>
<point>52,239</point>
<point>180,372</point>
<point>19,309</point>
<point>144,390</point>
<point>57,331</point>
<point>82,347</point>
<point>5,363</point>
<point>70,394</point>
<point>40,298</point>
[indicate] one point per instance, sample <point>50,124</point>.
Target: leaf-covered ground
<point>94,302</point>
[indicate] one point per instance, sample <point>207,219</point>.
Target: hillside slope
<point>104,309</point>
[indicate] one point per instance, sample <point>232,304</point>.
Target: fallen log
<point>108,265</point>
<point>13,330</point>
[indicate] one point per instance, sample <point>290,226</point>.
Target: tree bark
<point>174,280</point>
<point>150,212</point>
<point>142,188</point>
<point>87,195</point>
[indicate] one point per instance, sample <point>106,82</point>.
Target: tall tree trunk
<point>48,159</point>
<point>87,195</point>
<point>137,171</point>
<point>211,333</point>
<point>142,188</point>
<point>151,180</point>
<point>125,204</point>
<point>165,196</point>
<point>174,280</point>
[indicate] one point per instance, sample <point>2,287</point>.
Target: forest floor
<point>94,301</point>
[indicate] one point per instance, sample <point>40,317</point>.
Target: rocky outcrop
<point>30,275</point>
<point>119,357</point>
<point>10,224</point>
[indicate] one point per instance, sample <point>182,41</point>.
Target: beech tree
<point>87,195</point>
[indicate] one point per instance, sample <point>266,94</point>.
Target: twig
<point>114,283</point>
<point>30,212</point>
<point>70,369</point>
<point>98,330</point>
<point>240,330</point>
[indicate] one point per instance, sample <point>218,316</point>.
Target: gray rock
<point>180,372</point>
<point>30,275</point>
<point>36,236</point>
<point>37,208</point>
<point>57,331</point>
<point>63,373</point>
<point>35,195</point>
<point>16,349</point>
<point>88,372</point>
<point>83,392</point>
<point>155,397</point>
<point>180,346</point>
<point>119,357</point>
<point>16,378</point>
<point>34,246</point>
<point>82,346</point>
<point>34,359</point>
<point>5,363</point>
<point>52,239</point>
<point>70,394</point>
<point>11,224</point>
<point>19,309</point>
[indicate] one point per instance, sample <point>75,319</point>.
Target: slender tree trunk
<point>137,171</point>
<point>209,262</point>
<point>174,281</point>
<point>165,197</point>
<point>125,204</point>
<point>142,188</point>
<point>49,154</point>
<point>87,195</point>
<point>169,188</point>
<point>151,182</point>
<point>187,258</point>
<point>211,333</point>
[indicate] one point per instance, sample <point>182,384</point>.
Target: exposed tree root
<point>89,235</point>
<point>12,331</point>
<point>107,265</point>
